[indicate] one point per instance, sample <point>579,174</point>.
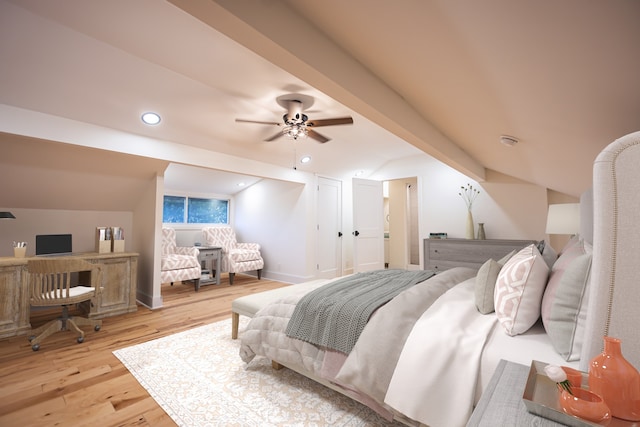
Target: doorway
<point>401,221</point>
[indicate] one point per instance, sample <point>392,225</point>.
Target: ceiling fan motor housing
<point>294,116</point>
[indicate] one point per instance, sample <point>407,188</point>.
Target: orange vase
<point>616,380</point>
<point>584,404</point>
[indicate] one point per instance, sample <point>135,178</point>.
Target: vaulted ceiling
<point>442,77</point>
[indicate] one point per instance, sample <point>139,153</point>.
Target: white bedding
<point>463,374</point>
<point>434,380</point>
<point>524,348</point>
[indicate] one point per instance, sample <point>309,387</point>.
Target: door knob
<point>356,233</point>
<point>339,233</point>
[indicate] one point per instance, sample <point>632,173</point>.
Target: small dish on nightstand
<point>541,398</point>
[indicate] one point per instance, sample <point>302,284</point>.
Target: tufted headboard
<point>614,298</point>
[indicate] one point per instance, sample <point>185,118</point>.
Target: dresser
<point>443,254</point>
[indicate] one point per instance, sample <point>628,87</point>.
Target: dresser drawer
<point>442,254</point>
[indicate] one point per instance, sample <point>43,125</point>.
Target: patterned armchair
<point>178,263</point>
<point>236,257</point>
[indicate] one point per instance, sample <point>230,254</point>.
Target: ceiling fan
<point>295,124</point>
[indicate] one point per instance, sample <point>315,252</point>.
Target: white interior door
<point>368,226</point>
<point>329,202</point>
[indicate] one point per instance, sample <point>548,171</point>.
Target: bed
<point>428,351</point>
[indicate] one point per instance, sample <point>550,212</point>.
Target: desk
<point>207,256</point>
<point>119,283</point>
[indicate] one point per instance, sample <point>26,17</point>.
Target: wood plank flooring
<point>70,384</point>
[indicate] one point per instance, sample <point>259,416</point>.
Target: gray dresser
<point>442,254</point>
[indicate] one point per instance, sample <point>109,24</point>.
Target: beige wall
<point>81,224</point>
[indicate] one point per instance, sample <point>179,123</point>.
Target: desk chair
<point>50,284</point>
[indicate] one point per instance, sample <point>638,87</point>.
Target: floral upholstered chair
<point>236,257</point>
<point>178,263</point>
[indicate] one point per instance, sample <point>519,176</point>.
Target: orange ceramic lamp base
<point>616,380</point>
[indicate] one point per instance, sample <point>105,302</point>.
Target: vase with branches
<point>469,195</point>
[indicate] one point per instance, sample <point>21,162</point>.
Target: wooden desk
<point>119,282</point>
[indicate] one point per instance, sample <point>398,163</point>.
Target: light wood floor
<point>70,384</point>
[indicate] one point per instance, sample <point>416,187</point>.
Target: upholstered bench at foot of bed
<point>249,305</point>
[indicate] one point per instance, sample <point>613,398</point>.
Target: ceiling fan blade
<point>330,122</point>
<point>258,122</point>
<point>318,137</point>
<point>274,137</point>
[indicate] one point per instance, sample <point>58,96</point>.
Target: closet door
<point>329,208</point>
<point>368,226</point>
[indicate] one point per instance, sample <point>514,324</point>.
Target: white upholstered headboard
<point>614,298</point>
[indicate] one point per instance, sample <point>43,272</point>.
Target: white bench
<point>249,305</point>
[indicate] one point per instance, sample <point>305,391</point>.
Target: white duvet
<point>434,381</point>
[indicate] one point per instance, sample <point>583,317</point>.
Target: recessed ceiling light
<point>509,141</point>
<point>359,173</point>
<point>305,159</point>
<point>151,118</point>
<point>241,184</point>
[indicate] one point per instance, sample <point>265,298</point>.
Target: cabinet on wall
<point>119,283</point>
<point>14,299</point>
<point>443,254</point>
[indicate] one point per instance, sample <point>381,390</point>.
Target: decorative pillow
<point>574,240</point>
<point>507,257</point>
<point>485,285</point>
<point>565,307</point>
<point>549,255</point>
<point>519,289</point>
<point>568,254</point>
<point>563,299</point>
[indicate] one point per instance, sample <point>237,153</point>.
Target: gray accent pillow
<point>485,285</point>
<point>566,316</point>
<point>549,255</point>
<point>507,257</point>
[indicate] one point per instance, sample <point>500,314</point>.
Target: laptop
<point>53,244</point>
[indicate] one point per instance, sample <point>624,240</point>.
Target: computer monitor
<point>53,244</point>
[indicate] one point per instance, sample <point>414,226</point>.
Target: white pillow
<point>519,289</point>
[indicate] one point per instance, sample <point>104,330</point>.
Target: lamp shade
<point>6,215</point>
<point>563,219</point>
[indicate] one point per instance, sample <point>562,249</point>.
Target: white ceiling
<point>443,77</point>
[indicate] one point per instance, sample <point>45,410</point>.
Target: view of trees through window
<point>192,210</point>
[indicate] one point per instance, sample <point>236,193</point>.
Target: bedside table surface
<point>501,403</point>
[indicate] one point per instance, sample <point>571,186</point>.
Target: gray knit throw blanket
<point>334,315</point>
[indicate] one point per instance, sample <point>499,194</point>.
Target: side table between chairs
<point>209,257</point>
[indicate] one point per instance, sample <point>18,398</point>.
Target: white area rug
<point>198,378</point>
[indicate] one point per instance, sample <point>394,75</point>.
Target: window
<point>192,210</point>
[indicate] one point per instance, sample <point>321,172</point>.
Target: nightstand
<point>210,258</point>
<point>501,403</point>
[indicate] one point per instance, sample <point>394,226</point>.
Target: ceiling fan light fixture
<point>295,131</point>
